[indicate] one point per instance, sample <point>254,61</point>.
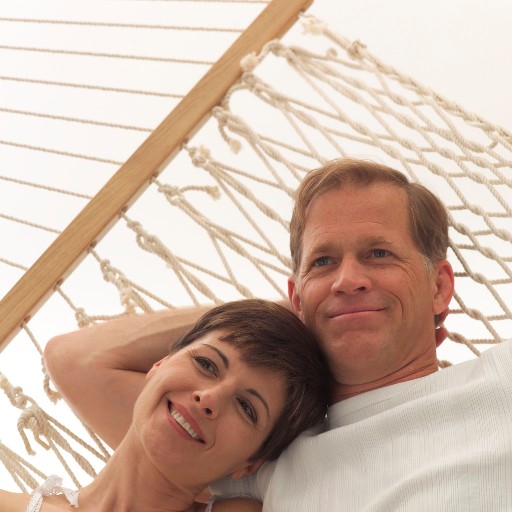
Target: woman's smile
<point>184,427</point>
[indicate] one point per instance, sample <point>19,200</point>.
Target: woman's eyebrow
<point>260,397</point>
<point>221,354</point>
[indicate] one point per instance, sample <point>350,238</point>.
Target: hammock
<point>209,201</point>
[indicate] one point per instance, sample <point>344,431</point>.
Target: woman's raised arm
<point>100,370</point>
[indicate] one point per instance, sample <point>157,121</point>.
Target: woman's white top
<point>53,485</point>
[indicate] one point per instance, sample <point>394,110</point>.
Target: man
<point>370,279</point>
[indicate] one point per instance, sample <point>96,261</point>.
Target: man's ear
<point>294,296</point>
<point>250,468</point>
<point>443,287</point>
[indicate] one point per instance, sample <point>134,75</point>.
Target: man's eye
<point>321,262</point>
<point>379,253</point>
<point>248,410</point>
<point>207,364</point>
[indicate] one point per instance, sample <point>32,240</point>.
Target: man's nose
<point>351,277</point>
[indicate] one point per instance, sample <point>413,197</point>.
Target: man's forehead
<point>358,204</point>
<point>370,192</point>
<point>367,217</point>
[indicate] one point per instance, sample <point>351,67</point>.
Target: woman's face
<point>204,412</point>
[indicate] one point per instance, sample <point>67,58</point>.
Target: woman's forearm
<point>100,370</point>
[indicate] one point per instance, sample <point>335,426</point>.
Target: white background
<point>459,48</point>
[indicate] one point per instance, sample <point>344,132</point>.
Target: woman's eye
<point>207,364</point>
<point>248,410</point>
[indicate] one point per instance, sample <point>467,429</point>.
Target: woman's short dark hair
<point>270,336</point>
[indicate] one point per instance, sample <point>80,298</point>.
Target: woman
<point>233,393</point>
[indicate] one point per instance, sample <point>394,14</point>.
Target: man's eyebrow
<point>221,354</point>
<point>320,248</point>
<point>260,397</point>
<point>378,240</point>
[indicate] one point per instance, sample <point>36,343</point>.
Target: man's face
<point>363,287</point>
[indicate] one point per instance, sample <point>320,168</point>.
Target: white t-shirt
<point>438,443</point>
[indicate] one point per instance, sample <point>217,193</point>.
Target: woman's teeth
<point>183,423</point>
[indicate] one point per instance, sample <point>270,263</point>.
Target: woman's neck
<point>129,482</point>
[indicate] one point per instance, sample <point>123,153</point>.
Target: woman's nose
<point>208,401</point>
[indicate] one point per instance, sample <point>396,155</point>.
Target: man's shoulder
<point>500,353</point>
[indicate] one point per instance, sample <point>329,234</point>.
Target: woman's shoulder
<point>13,501</point>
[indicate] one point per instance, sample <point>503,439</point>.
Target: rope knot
<point>283,51</point>
<point>356,49</point>
<point>126,296</point>
<point>312,25</point>
<point>33,419</point>
<point>220,114</point>
<point>133,225</point>
<point>200,156</point>
<point>106,269</point>
<point>14,394</point>
<point>331,53</point>
<point>223,117</point>
<point>169,190</point>
<point>82,318</point>
<point>249,62</point>
<point>213,192</point>
<point>235,146</point>
<point>172,194</point>
<point>250,80</point>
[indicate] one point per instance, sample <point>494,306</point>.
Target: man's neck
<point>342,391</point>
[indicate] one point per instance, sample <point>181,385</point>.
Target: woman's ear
<point>247,470</point>
<point>155,367</point>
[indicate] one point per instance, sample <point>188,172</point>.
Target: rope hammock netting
<point>212,225</point>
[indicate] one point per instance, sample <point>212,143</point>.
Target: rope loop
<point>356,49</point>
<point>249,62</point>
<point>312,25</point>
<point>223,117</point>
<point>33,419</point>
<point>168,190</point>
<point>283,51</point>
<point>200,156</point>
<point>253,83</point>
<point>14,394</point>
<point>82,318</point>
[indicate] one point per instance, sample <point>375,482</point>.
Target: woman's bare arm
<point>100,370</point>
